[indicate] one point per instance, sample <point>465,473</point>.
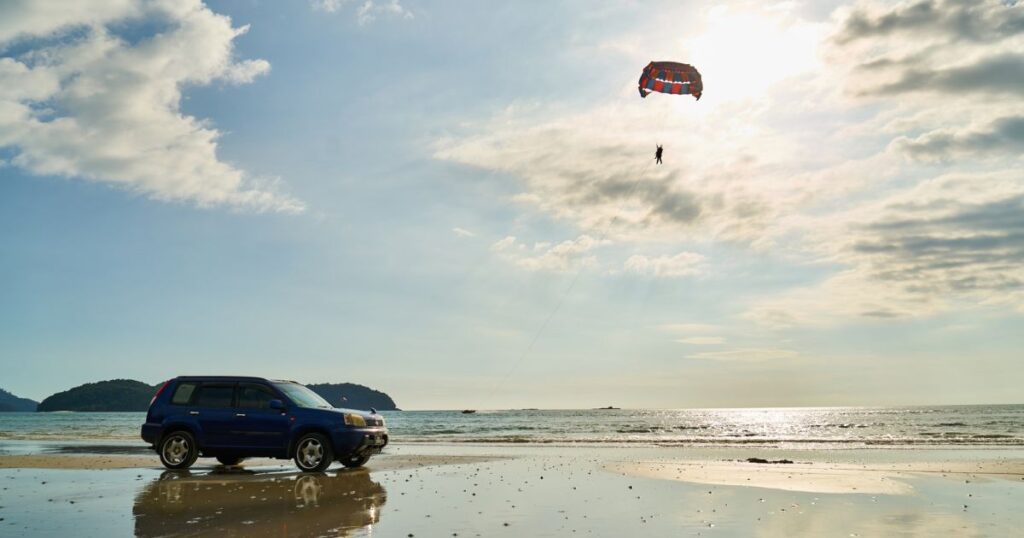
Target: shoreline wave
<point>951,426</point>
<point>977,441</point>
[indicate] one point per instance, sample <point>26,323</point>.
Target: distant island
<point>113,395</point>
<point>354,396</point>
<point>132,395</point>
<point>11,403</point>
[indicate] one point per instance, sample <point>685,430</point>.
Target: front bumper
<point>359,440</point>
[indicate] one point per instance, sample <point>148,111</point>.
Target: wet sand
<point>436,490</point>
<point>822,477</point>
<point>101,462</point>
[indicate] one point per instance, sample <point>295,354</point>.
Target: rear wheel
<point>230,460</point>
<point>355,460</point>
<point>178,450</point>
<point>313,453</point>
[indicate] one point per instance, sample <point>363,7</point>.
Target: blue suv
<point>232,418</point>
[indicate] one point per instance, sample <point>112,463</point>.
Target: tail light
<point>158,391</point>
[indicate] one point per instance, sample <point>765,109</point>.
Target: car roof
<point>220,378</point>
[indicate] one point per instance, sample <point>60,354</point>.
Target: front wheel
<point>313,453</point>
<point>178,450</point>
<point>355,460</point>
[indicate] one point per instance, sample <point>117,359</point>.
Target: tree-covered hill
<point>131,395</point>
<point>113,395</point>
<point>10,402</point>
<point>354,396</point>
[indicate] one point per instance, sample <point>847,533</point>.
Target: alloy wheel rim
<point>307,490</point>
<point>175,450</point>
<point>311,452</point>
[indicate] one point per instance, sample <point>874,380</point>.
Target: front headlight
<point>352,419</point>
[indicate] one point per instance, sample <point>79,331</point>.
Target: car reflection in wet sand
<point>235,501</point>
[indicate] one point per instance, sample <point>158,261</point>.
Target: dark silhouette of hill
<point>10,402</point>
<point>354,396</point>
<point>113,395</point>
<point>131,395</point>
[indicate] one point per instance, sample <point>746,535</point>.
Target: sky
<point>457,202</point>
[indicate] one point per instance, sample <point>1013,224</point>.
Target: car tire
<point>313,453</point>
<point>230,460</point>
<point>355,460</point>
<point>178,450</point>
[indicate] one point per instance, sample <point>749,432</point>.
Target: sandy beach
<point>446,490</point>
<point>886,479</point>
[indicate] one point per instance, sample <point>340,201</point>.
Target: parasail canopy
<point>672,78</point>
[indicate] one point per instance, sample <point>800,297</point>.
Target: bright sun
<point>742,54</point>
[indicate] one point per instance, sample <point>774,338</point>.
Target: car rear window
<point>183,393</point>
<point>215,396</point>
<point>255,396</point>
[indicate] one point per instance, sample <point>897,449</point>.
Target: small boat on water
<point>606,408</point>
<point>468,411</point>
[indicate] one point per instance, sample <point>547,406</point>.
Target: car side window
<point>183,393</point>
<point>252,396</point>
<point>215,396</point>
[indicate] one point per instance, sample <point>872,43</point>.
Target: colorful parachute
<point>671,77</point>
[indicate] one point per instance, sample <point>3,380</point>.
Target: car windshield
<point>302,396</point>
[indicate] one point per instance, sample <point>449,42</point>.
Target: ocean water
<point>836,427</point>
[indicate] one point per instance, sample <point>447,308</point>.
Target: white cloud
<point>849,296</point>
<point>747,355</point>
<point>330,6</point>
<point>565,256</point>
<point>687,328</point>
<point>92,105</point>
<point>370,9</point>
<point>1004,136</point>
<point>589,169</point>
<point>367,11</point>
<point>927,22</point>
<point>736,165</point>
<point>702,340</point>
<point>462,232</point>
<point>955,240</point>
<point>33,18</point>
<point>807,168</point>
<point>696,334</point>
<point>944,242</point>
<point>679,265</point>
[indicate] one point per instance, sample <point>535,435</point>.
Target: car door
<point>181,403</point>
<point>264,427</point>
<point>213,408</point>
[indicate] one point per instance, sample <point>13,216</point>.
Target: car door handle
<point>239,414</point>
<point>193,412</point>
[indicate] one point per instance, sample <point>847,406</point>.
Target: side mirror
<point>277,404</point>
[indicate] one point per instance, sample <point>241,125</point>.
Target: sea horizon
<point>983,426</point>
